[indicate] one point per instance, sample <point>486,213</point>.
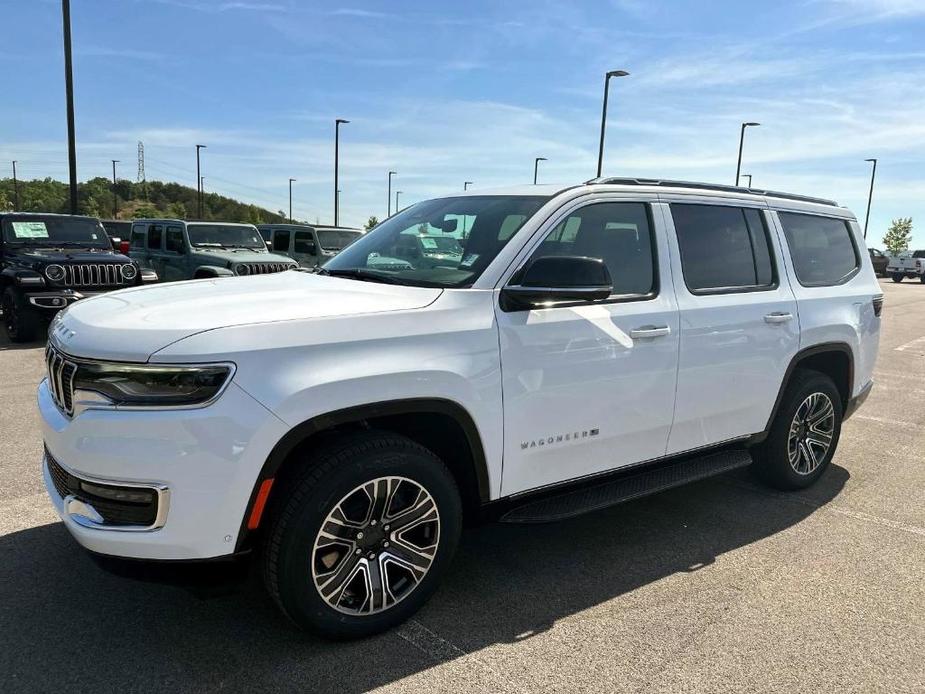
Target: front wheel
<point>21,322</point>
<point>364,536</point>
<point>804,433</point>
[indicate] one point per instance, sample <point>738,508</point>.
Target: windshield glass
<point>225,235</point>
<point>336,239</point>
<point>447,242</point>
<point>37,230</point>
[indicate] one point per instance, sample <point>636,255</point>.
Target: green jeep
<point>179,250</point>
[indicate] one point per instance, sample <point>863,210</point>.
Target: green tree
<point>146,211</point>
<point>176,210</point>
<point>371,222</point>
<point>898,236</point>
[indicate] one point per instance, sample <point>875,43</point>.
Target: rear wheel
<point>364,536</point>
<point>804,433</point>
<point>897,277</point>
<point>21,322</point>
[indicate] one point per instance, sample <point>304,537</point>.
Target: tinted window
<point>304,243</point>
<point>265,234</point>
<point>336,239</point>
<point>174,239</point>
<point>225,236</point>
<point>50,230</point>
<point>821,248</point>
<point>138,237</point>
<point>919,254</point>
<point>617,233</point>
<point>722,247</point>
<point>281,240</point>
<point>155,233</point>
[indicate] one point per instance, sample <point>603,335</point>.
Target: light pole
<point>749,177</point>
<point>741,143</point>
<point>397,193</point>
<point>15,189</point>
<point>115,200</point>
<point>600,150</point>
<point>290,198</point>
<point>337,124</point>
<point>198,182</point>
<point>536,165</point>
<point>69,96</point>
<point>389,196</point>
<point>870,196</point>
<point>466,185</point>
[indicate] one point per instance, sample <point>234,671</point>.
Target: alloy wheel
<point>376,545</point>
<point>811,433</point>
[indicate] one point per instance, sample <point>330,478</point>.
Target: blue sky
<point>448,92</point>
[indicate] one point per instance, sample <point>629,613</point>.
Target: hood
<point>241,255</point>
<point>132,324</point>
<point>64,256</point>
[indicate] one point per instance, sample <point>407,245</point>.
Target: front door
<point>740,327</point>
<point>589,387</point>
<point>304,249</point>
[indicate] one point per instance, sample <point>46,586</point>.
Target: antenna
<point>141,169</point>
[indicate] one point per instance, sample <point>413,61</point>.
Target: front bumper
<point>204,462</point>
<point>858,400</point>
<point>56,299</point>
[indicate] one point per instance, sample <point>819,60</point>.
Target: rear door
<point>138,250</point>
<point>589,387</point>
<point>154,247</point>
<point>304,248</point>
<point>739,323</point>
<point>174,259</point>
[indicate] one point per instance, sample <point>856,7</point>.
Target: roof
<point>191,221</point>
<point>47,214</point>
<point>322,227</point>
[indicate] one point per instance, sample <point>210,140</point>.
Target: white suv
<point>588,345</point>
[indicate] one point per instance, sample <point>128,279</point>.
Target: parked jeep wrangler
<point>48,261</point>
<point>309,245</point>
<point>588,345</point>
<point>179,250</point>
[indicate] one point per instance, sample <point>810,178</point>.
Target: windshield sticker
<point>428,243</point>
<point>469,260</point>
<point>30,230</point>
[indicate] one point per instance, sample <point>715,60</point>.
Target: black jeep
<point>48,261</point>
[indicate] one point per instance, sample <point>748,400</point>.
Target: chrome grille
<point>93,275</point>
<point>265,268</point>
<point>60,379</point>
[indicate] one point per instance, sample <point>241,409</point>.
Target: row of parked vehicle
<point>48,261</point>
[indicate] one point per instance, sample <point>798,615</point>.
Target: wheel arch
<point>203,271</point>
<point>443,426</point>
<point>834,359</point>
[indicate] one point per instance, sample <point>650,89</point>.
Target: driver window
<point>619,233</point>
<point>281,240</point>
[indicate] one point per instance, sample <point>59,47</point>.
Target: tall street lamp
<point>600,150</point>
<point>536,164</point>
<point>749,177</point>
<point>290,198</point>
<point>337,124</point>
<point>466,185</point>
<point>742,142</point>
<point>389,196</point>
<point>870,196</point>
<point>15,189</point>
<point>198,182</point>
<point>397,193</point>
<point>69,96</point>
<point>115,200</point>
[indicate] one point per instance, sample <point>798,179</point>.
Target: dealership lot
<point>720,586</point>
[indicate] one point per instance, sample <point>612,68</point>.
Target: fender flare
<point>213,271</point>
<point>359,413</point>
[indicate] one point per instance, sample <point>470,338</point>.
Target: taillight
<point>123,247</point>
<point>878,305</point>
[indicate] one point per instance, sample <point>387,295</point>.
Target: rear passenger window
<point>281,240</point>
<point>155,233</point>
<point>619,233</point>
<point>138,237</point>
<point>174,239</point>
<point>821,248</point>
<point>723,248</point>
<point>304,243</point>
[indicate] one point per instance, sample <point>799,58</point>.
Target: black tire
<point>773,460</point>
<point>22,323</point>
<point>922,278</point>
<point>896,277</point>
<point>330,476</point>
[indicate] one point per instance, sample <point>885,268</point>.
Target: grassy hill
<point>151,199</point>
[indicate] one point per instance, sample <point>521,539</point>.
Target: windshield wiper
<point>210,244</point>
<point>362,275</point>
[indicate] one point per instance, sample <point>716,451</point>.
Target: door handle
<point>647,331</point>
<point>778,317</point>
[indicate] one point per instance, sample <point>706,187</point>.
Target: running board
<point>628,487</point>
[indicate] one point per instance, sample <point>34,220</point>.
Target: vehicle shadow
<point>65,623</point>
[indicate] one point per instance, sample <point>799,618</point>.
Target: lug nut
<point>372,555</point>
<point>385,544</point>
<point>372,522</point>
<point>360,535</point>
<point>359,551</point>
<point>385,527</point>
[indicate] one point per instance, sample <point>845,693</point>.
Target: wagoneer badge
<point>559,438</point>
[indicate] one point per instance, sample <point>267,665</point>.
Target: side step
<point>625,488</point>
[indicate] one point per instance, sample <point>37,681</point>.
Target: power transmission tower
<point>141,169</point>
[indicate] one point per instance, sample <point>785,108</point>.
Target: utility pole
<point>391,173</point>
<point>115,199</point>
<point>337,123</point>
<point>290,198</point>
<point>741,143</point>
<point>870,196</point>
<point>198,183</point>
<point>397,209</point>
<point>749,177</point>
<point>141,169</point>
<point>536,167</point>
<point>600,150</point>
<point>69,95</point>
<point>466,185</point>
<point>15,189</point>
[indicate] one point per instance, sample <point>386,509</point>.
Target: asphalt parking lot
<point>719,586</point>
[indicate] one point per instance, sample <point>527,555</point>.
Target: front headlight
<point>54,272</point>
<point>241,269</point>
<point>129,272</point>
<point>152,385</point>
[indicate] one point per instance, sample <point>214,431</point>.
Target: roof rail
<point>709,186</point>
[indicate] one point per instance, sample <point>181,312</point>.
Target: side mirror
<point>556,279</point>
<point>449,226</point>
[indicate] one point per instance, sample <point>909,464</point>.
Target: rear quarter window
<point>822,248</point>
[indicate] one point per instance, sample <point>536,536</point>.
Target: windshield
<point>78,232</point>
<point>225,236</point>
<point>919,254</point>
<point>447,242</point>
<point>336,239</point>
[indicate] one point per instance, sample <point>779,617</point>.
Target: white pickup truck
<point>906,265</point>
